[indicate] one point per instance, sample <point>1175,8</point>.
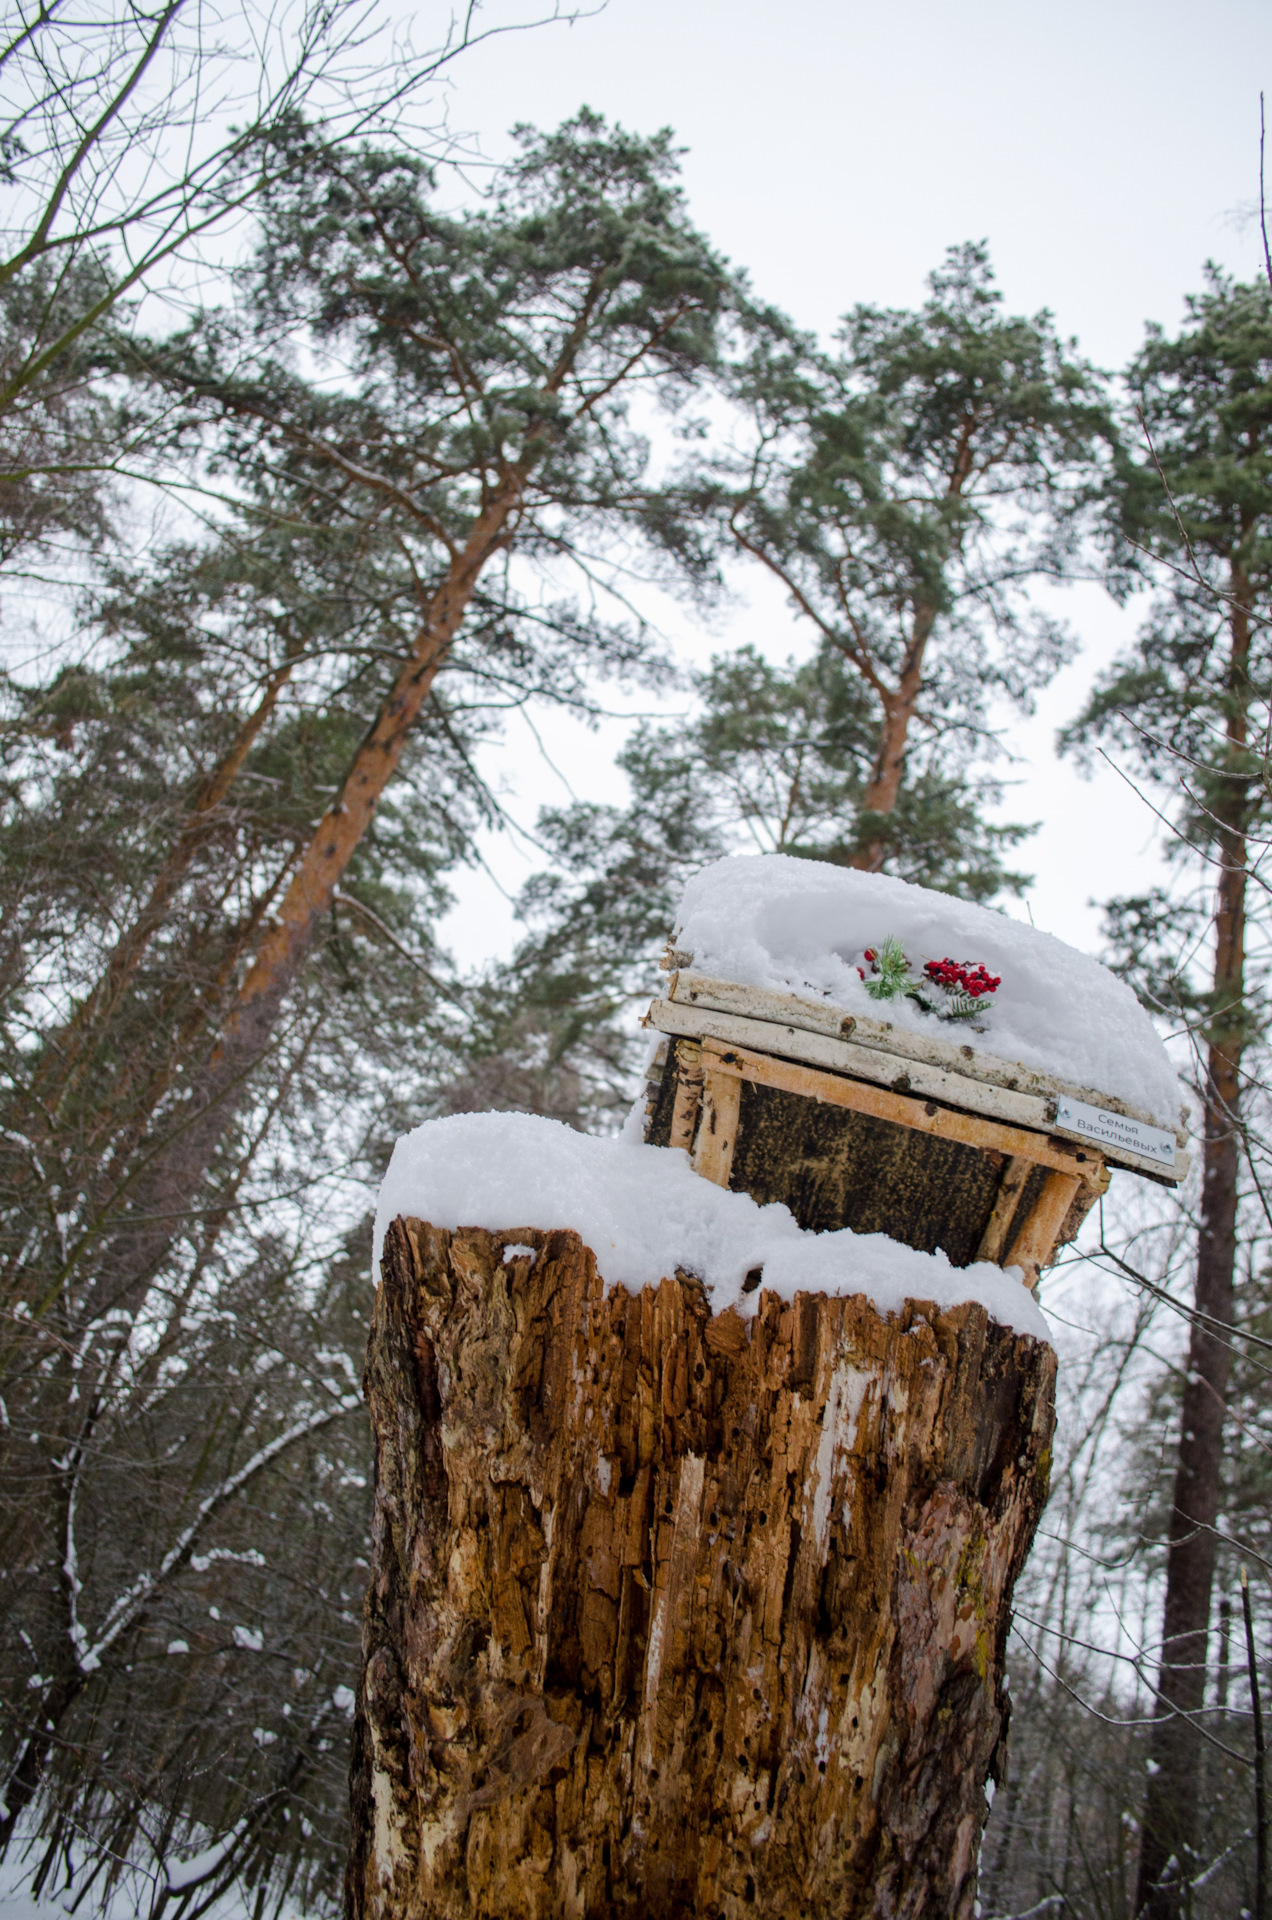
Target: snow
<point>644,1212</point>
<point>795,926</point>
<point>132,1895</point>
<point>801,926</point>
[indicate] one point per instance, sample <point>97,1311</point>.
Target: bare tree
<point>131,139</point>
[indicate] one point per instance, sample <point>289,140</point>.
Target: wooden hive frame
<point>723,1038</point>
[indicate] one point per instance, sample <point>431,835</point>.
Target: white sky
<point>835,149</point>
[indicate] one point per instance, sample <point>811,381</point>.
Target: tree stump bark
<point>677,1614</point>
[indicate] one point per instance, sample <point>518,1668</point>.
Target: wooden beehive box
<point>855,1122</point>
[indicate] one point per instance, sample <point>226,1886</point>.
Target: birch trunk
<point>674,1614</point>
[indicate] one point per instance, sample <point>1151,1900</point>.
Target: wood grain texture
<point>958,1076</point>
<point>823,1017</point>
<point>1011,1189</point>
<point>718,1127</point>
<point>923,1116</point>
<point>841,1153</point>
<point>673,1614</point>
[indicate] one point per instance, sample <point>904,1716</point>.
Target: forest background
<point>421,550</point>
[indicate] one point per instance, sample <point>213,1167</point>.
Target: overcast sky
<point>835,149</point>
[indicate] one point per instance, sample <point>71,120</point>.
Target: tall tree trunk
<point>130,948</point>
<point>884,790</point>
<point>1170,1822</point>
<point>676,1614</point>
<point>899,698</point>
<point>41,1100</point>
<point>899,707</point>
<point>46,1713</point>
<point>140,1241</point>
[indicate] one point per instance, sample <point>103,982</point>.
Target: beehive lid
<point>770,952</point>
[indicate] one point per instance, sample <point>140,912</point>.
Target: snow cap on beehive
<point>802,926</point>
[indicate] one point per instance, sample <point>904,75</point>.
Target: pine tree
<point>1189,707</point>
<point>489,359</point>
<point>774,760</point>
<point>903,490</point>
<point>55,489</point>
<point>318,675</point>
<point>195,1442</point>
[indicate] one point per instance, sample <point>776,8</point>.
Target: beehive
<point>855,1122</point>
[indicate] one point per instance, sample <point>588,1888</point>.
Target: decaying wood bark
<point>673,1614</point>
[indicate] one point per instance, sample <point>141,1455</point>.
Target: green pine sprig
<point>892,979</point>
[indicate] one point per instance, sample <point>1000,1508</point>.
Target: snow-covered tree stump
<point>674,1614</point>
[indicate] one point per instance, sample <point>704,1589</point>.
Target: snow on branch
<point>132,1603</point>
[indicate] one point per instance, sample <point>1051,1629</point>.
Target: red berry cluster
<point>970,975</point>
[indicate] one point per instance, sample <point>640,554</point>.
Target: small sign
<point>1115,1130</point>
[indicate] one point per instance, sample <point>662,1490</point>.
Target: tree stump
<point>678,1614</point>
